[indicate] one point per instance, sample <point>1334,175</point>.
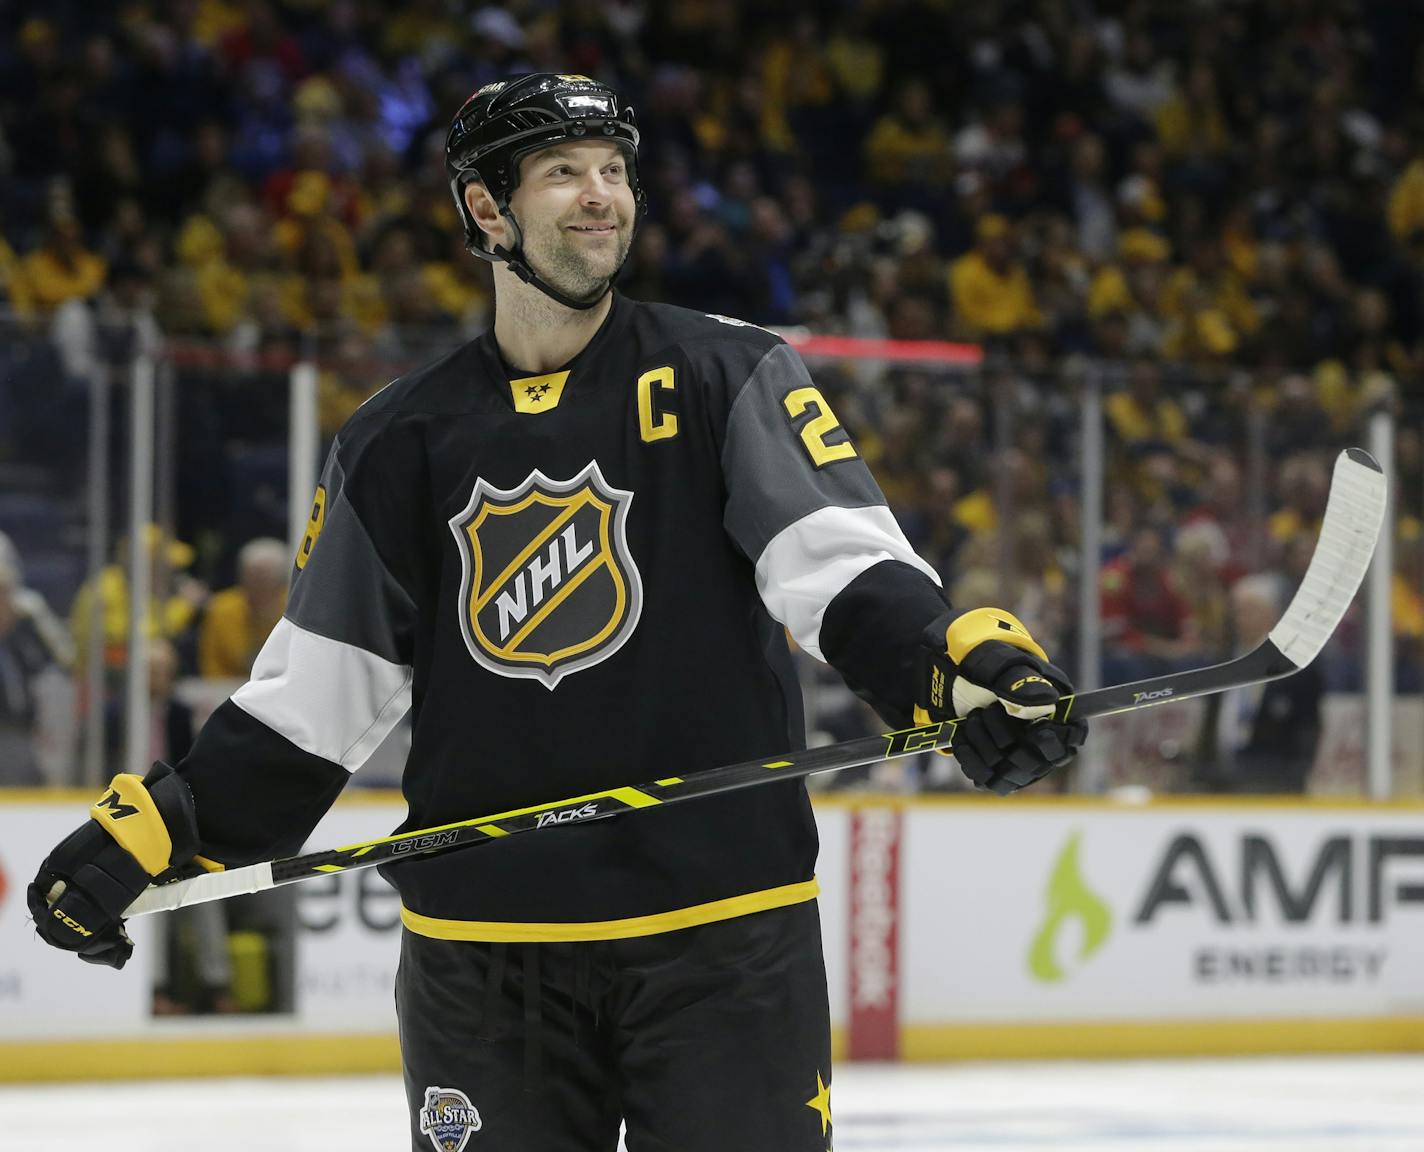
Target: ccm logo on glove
<point>138,830</point>
<point>74,924</point>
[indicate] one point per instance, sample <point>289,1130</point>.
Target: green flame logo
<point>1068,897</point>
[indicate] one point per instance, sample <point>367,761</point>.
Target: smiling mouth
<point>606,229</point>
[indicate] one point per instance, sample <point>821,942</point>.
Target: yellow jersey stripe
<point>497,931</point>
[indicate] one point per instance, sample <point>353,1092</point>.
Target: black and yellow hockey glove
<point>139,829</point>
<point>983,668</point>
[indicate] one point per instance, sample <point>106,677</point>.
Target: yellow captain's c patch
<point>653,423</point>
<point>128,814</point>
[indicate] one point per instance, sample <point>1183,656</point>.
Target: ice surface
<point>1303,1104</point>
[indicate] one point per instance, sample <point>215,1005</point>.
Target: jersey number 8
<point>314,525</point>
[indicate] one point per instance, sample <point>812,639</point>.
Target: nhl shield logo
<point>448,1118</point>
<point>549,586</point>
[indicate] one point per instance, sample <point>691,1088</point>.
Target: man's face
<point>576,210</point>
<point>1252,616</point>
<point>261,581</point>
<point>1147,551</point>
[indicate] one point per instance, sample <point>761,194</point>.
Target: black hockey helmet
<point>508,119</point>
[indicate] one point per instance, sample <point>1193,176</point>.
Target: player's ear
<point>485,212</point>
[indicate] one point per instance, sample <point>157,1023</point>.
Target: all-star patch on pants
<point>704,1039</point>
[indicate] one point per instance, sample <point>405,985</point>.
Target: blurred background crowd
<point>1211,209</point>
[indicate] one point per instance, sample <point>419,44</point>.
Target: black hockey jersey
<point>572,582</point>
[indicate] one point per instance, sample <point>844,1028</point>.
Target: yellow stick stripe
<point>483,820</point>
<point>778,764</point>
<point>634,799</point>
<point>330,868</point>
<point>480,821</point>
<point>553,602</point>
<point>669,780</point>
<point>969,799</point>
<point>529,549</point>
<point>489,930</point>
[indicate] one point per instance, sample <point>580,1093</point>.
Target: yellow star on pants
<point>821,1102</point>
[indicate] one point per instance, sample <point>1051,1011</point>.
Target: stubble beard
<point>555,255</point>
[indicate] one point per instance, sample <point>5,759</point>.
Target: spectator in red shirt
<point>263,49</point>
<point>1148,628</point>
<point>1223,503</point>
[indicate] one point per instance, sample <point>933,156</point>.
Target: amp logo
<point>548,584</point>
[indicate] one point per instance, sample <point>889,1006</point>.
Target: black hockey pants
<point>704,1039</point>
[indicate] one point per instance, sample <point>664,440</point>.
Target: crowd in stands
<point>1212,208</point>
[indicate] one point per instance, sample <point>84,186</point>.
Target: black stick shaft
<point>1348,534</point>
<point>1264,663</point>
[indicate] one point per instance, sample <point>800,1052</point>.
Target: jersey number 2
<point>815,431</point>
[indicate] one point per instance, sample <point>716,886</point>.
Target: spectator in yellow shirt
<point>1191,124</point>
<point>62,268</point>
<point>172,606</point>
<point>911,144</point>
<point>1140,415</point>
<point>1303,487</point>
<point>14,288</point>
<point>1406,200</point>
<point>238,619</point>
<point>989,289</point>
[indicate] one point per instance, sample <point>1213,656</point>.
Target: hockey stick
<point>1347,540</point>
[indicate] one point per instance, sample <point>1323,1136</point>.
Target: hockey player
<point>570,549</point>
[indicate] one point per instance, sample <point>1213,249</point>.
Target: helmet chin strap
<point>522,268</point>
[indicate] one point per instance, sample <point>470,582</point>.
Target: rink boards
<point>964,927</point>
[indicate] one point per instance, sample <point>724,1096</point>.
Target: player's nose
<point>596,189</point>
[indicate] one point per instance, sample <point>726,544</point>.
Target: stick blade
<point>1359,497</point>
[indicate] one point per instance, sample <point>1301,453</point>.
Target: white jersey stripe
<point>808,562</point>
<point>331,699</point>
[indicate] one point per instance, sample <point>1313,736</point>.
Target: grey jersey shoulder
<point>701,336</point>
<point>674,325</point>
<point>722,354</point>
